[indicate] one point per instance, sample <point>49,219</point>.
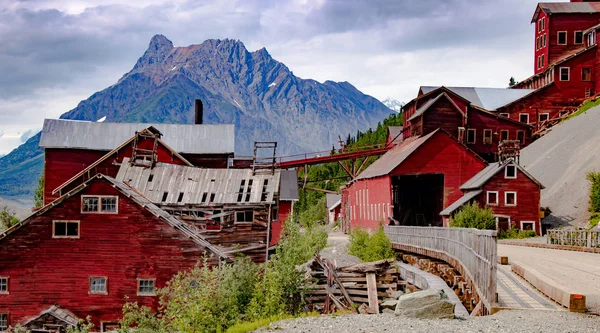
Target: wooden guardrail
<point>574,238</point>
<point>472,252</point>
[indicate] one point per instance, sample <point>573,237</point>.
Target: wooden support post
<point>372,292</point>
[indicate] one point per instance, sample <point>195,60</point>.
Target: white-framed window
<point>543,61</point>
<point>492,198</point>
<point>578,37</point>
<point>3,322</point>
<point>524,118</point>
<point>544,40</point>
<point>510,198</point>
<point>527,225</point>
<point>561,38</point>
<point>592,38</point>
<point>521,137</point>
<point>98,285</point>
<point>4,285</point>
<point>507,115</point>
<point>565,73</point>
<point>544,117</point>
<point>543,23</point>
<point>586,74</point>
<point>146,287</point>
<point>504,135</point>
<point>100,204</point>
<point>110,326</point>
<point>471,135</point>
<point>510,171</point>
<point>487,136</point>
<point>65,229</point>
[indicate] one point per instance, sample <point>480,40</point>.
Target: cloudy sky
<point>55,53</point>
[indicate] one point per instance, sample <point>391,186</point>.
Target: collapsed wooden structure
<point>343,288</point>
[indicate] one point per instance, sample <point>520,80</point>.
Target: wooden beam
<point>372,292</point>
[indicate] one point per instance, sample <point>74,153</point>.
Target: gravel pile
<point>560,161</point>
<point>504,321</point>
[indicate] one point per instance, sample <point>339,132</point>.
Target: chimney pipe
<point>198,112</point>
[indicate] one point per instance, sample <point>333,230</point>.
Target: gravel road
<point>504,321</point>
<point>335,251</point>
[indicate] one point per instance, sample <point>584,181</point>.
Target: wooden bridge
<point>471,252</point>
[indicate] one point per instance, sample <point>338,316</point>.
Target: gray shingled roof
<point>187,139</point>
<point>332,199</point>
<point>487,98</point>
<point>490,171</point>
<point>194,183</point>
<point>460,202</point>
<point>288,190</point>
<point>55,311</point>
<point>390,160</point>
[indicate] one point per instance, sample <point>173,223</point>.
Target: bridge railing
<point>574,238</point>
<point>471,251</point>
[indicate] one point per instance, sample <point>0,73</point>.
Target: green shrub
<point>513,233</point>
<point>314,214</point>
<point>370,247</point>
<point>471,216</point>
<point>594,178</point>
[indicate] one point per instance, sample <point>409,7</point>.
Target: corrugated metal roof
<point>394,132</point>
<point>199,184</point>
<point>490,171</point>
<point>460,202</point>
<point>288,190</point>
<point>487,98</point>
<point>570,7</point>
<point>390,160</point>
<point>189,139</point>
<point>332,199</point>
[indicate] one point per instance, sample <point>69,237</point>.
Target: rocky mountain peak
<point>158,49</point>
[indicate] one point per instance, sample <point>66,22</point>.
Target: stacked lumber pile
<point>362,286</point>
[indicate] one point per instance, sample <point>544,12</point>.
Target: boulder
<point>388,304</point>
<point>388,311</point>
<point>396,294</point>
<point>426,304</point>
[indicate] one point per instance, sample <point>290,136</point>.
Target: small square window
<point>3,285</point>
<point>110,326</point>
<point>65,229</point>
<point>544,117</point>
<point>109,204</point>
<point>562,38</point>
<point>471,136</point>
<point>3,322</point>
<point>510,198</point>
<point>146,287</point>
<point>524,118</point>
<point>578,37</point>
<point>90,204</point>
<point>565,74</point>
<point>503,135</point>
<point>492,198</point>
<point>527,225</point>
<point>98,285</point>
<point>510,172</point>
<point>487,137</point>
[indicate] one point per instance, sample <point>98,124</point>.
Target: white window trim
<point>568,74</point>
<point>67,221</point>
<point>506,172</point>
<point>575,37</point>
<point>532,222</point>
<point>524,114</point>
<point>544,114</point>
<point>474,135</point>
<point>491,137</point>
<point>487,198</point>
<point>7,314</point>
<point>105,292</point>
<point>558,38</point>
<point>146,294</point>
<point>544,40</point>
<point>100,211</point>
<point>7,278</point>
<point>506,197</point>
<point>104,323</point>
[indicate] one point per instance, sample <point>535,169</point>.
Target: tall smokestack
<point>198,112</point>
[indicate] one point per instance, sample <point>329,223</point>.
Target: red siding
<point>370,202</point>
<point>443,114</point>
<point>528,199</point>
<point>285,209</point>
<point>133,244</point>
<point>544,49</point>
<point>481,121</point>
<point>569,23</point>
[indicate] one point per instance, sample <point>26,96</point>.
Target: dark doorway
<point>418,200</point>
<point>503,223</point>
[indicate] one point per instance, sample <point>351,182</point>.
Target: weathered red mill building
<point>123,225</point>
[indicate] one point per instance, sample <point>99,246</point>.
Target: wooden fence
<point>574,238</point>
<point>473,252</point>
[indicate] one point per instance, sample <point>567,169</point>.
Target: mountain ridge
<point>257,93</point>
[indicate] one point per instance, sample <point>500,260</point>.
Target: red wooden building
<point>509,190</point>
<point>72,146</point>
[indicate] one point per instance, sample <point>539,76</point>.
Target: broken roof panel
<point>487,98</point>
<point>169,184</point>
<point>183,138</point>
